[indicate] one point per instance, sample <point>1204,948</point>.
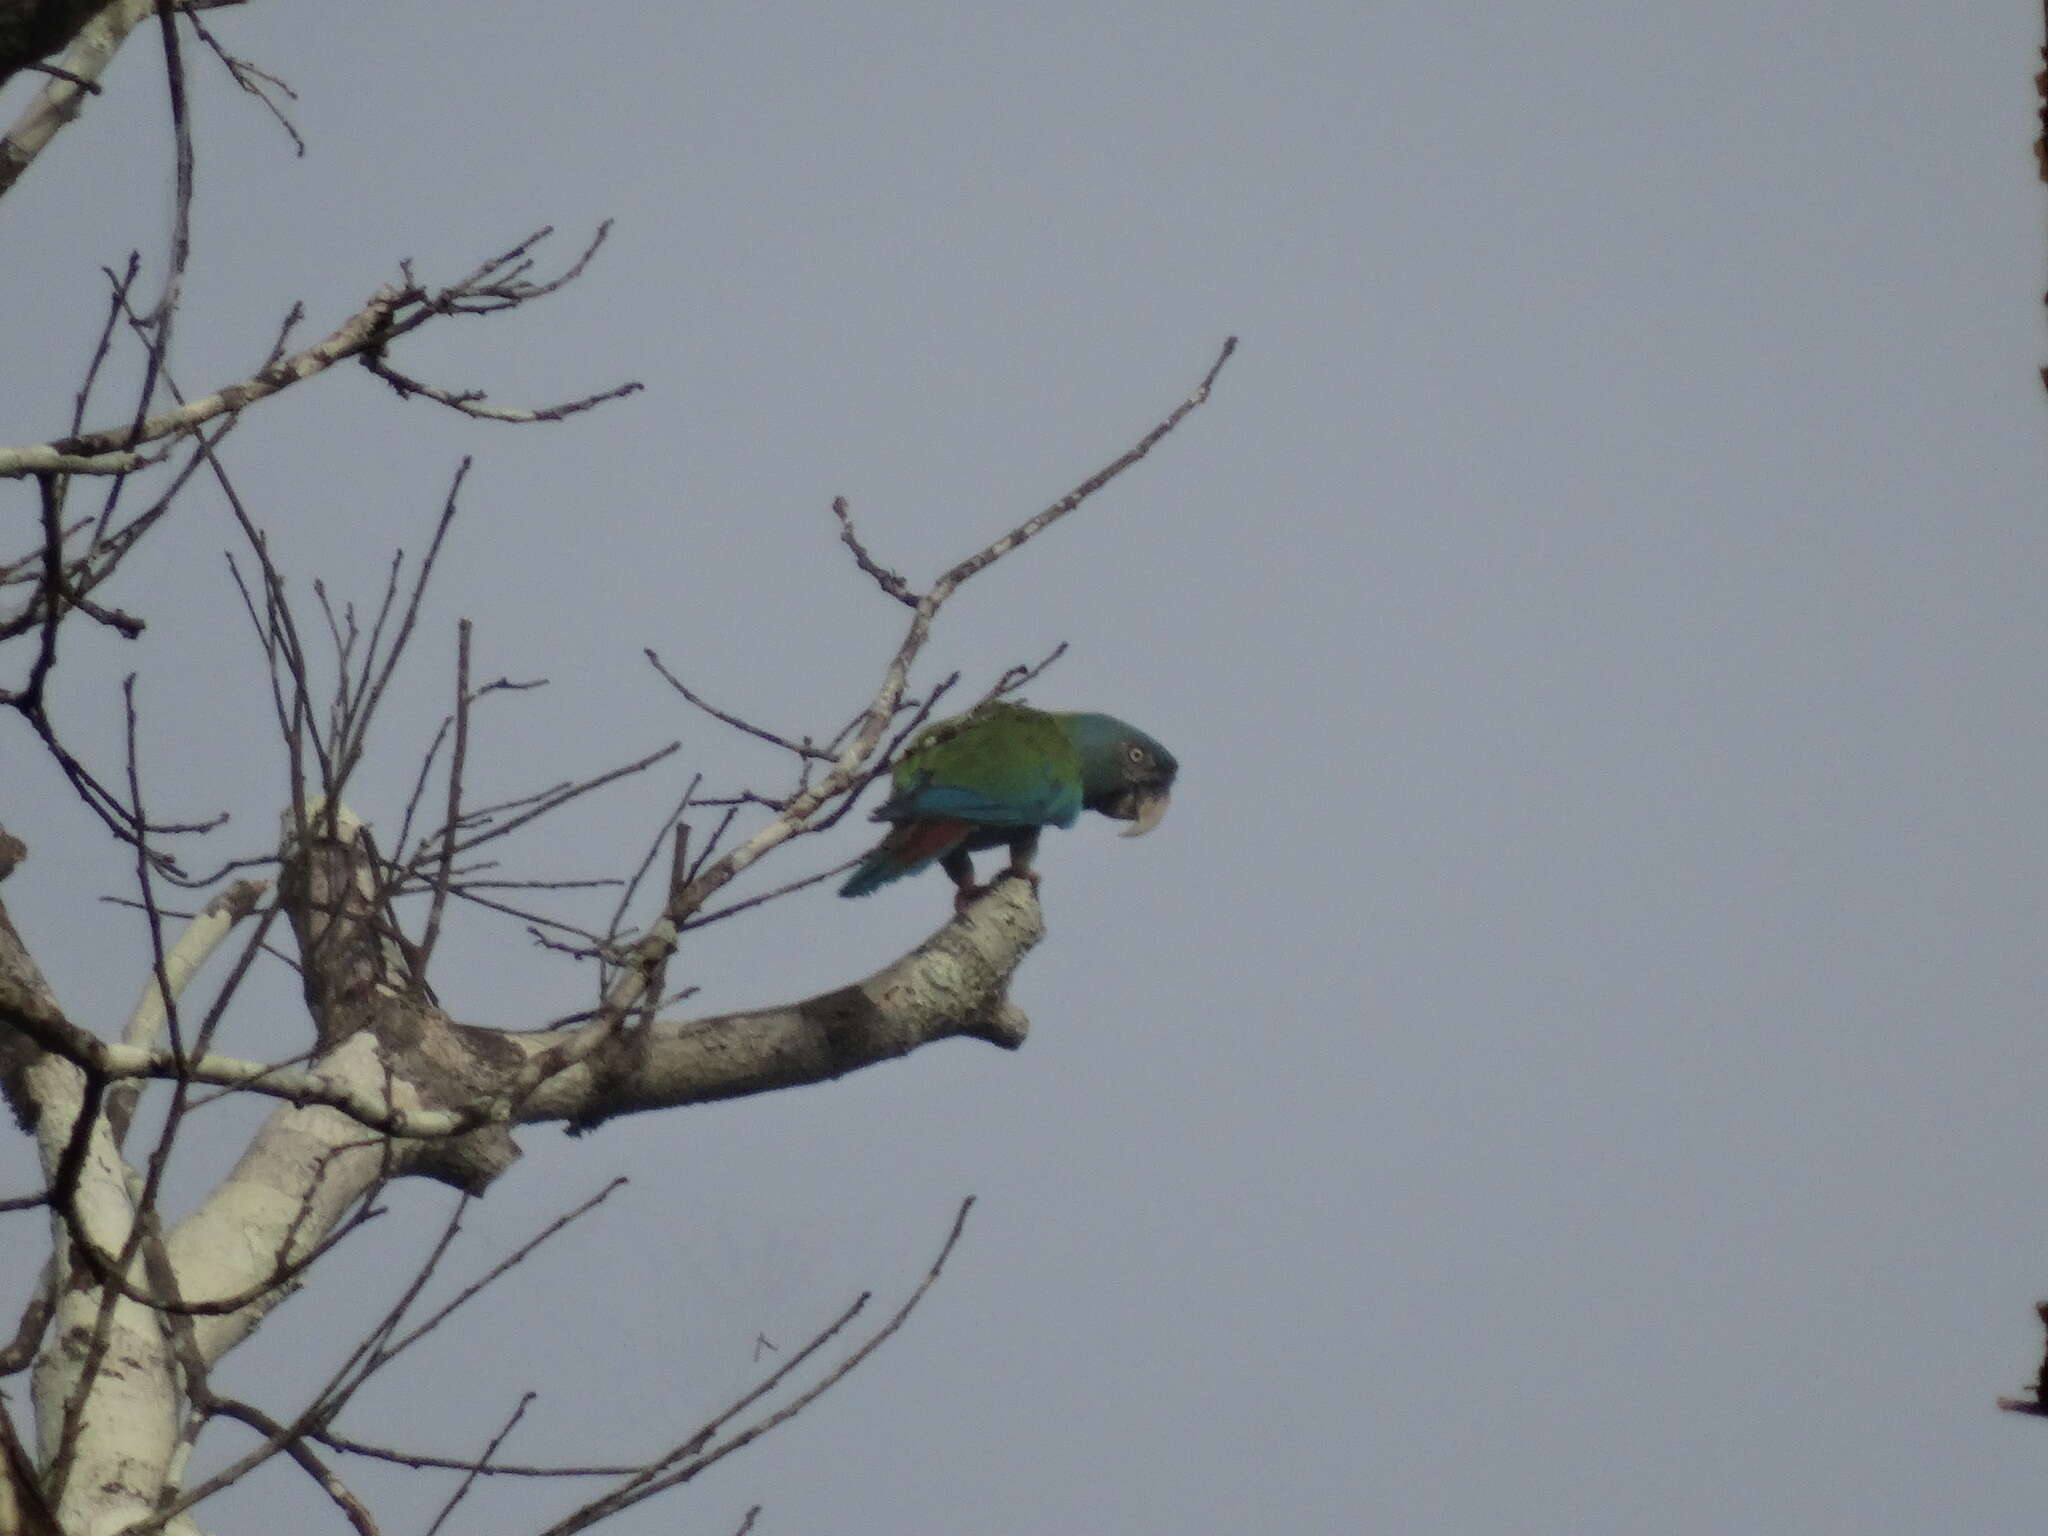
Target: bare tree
<point>134,1312</point>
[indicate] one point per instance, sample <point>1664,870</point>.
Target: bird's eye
<point>1134,753</point>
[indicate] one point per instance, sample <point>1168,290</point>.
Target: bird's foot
<point>965,896</point>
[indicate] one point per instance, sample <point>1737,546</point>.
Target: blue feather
<point>1046,800</point>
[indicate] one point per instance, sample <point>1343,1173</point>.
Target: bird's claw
<point>965,896</point>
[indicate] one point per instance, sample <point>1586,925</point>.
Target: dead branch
<point>470,402</point>
<point>260,83</point>
<point>93,34</point>
<point>396,1087</point>
<point>699,1453</point>
<point>292,1442</point>
<point>846,772</point>
<point>802,749</point>
<point>889,581</point>
<point>483,1464</point>
<point>392,312</point>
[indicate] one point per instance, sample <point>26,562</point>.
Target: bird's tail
<point>909,847</point>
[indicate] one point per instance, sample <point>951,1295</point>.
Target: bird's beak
<point>1147,809</point>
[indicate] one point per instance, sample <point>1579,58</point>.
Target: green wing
<point>1008,766</point>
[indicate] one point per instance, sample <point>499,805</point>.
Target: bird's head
<point>1125,774</point>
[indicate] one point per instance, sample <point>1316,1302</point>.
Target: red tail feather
<point>909,846</point>
<point>919,842</point>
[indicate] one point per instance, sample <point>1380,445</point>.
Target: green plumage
<point>999,744</point>
<point>998,777</point>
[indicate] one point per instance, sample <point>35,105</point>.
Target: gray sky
<point>1571,1061</point>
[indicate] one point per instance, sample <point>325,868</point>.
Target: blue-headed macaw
<point>1000,776</point>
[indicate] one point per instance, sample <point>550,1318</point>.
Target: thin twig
<point>483,1464</point>
<point>457,763</point>
<point>802,749</point>
<point>889,581</point>
<point>733,909</point>
<point>512,1260</point>
<point>257,82</point>
<point>698,1453</point>
<point>291,1439</point>
<point>471,402</point>
<point>391,313</point>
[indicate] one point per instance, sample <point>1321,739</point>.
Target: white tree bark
<point>123,1431</point>
<point>389,1052</point>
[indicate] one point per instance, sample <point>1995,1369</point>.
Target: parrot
<point>1000,775</point>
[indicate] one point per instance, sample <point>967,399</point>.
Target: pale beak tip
<point>1151,810</point>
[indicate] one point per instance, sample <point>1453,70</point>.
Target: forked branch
<point>392,312</point>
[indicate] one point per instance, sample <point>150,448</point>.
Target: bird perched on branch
<point>1000,776</point>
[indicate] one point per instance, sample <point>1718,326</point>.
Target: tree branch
<point>395,310</point>
<point>92,48</point>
